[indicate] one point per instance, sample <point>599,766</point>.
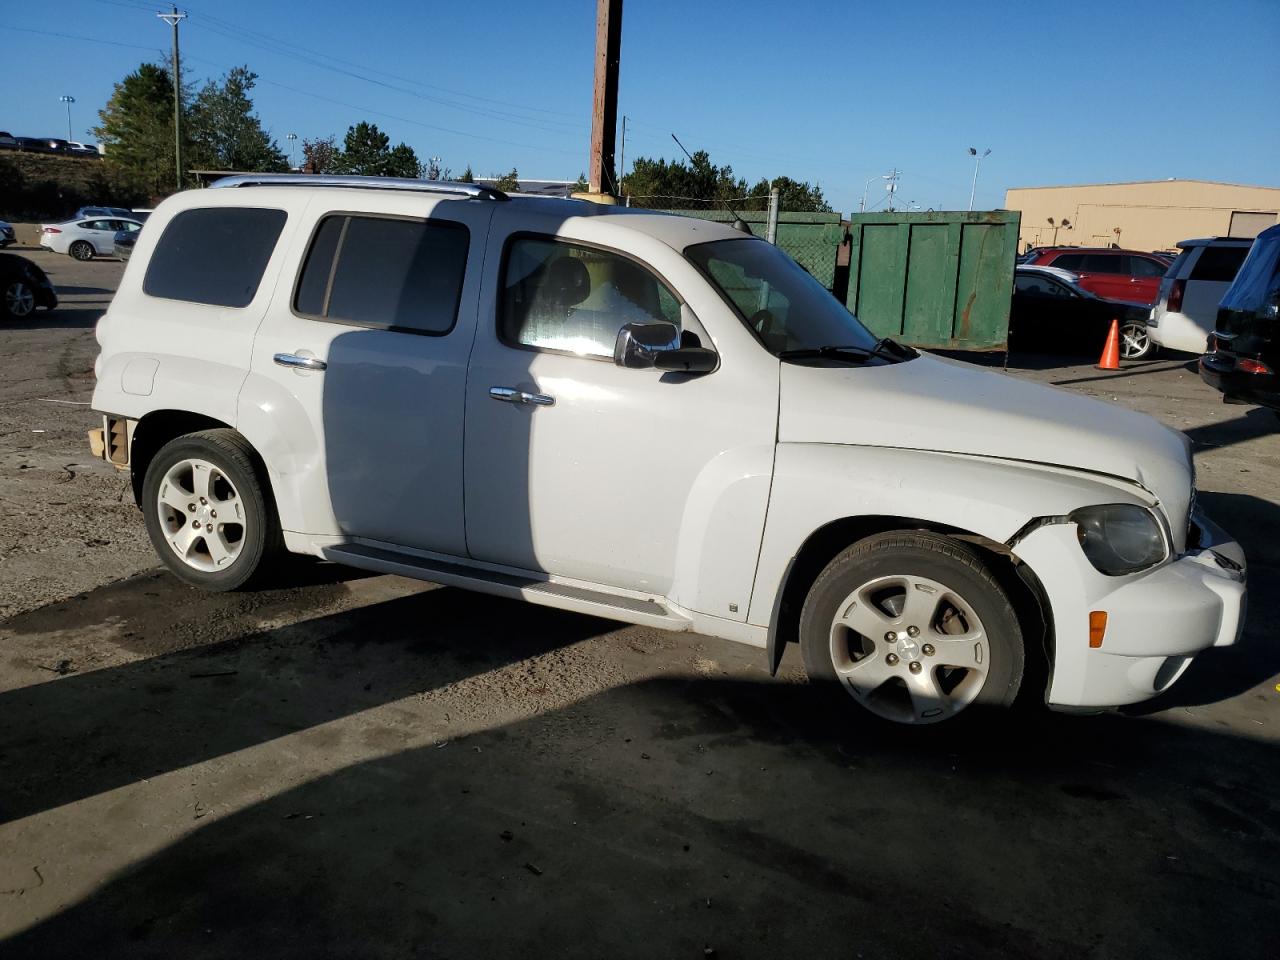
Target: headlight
<point>1120,538</point>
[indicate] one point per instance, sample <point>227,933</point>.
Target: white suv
<point>645,417</point>
<point>1187,305</point>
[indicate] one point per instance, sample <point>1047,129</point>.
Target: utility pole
<point>771,230</point>
<point>292,138</point>
<point>68,100</point>
<point>622,155</point>
<point>604,112</point>
<point>173,19</point>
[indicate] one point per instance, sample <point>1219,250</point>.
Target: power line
<point>72,36</point>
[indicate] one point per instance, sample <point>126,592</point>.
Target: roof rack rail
<point>472,190</point>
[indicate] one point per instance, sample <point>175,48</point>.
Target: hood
<point>949,407</point>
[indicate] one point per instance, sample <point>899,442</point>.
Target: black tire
<point>19,299</point>
<point>261,539</point>
<point>81,250</point>
<point>923,554</point>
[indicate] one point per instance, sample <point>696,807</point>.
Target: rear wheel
<point>19,299</point>
<point>207,511</point>
<point>81,250</point>
<point>913,627</point>
<point>1134,342</point>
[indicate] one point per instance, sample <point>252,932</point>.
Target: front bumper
<point>1157,621</point>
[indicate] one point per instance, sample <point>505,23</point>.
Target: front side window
<point>783,304</point>
<point>1038,286</point>
<point>214,255</point>
<point>403,275</point>
<point>1070,261</point>
<point>1142,267</point>
<point>1104,263</point>
<point>574,298</point>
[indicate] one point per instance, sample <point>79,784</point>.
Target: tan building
<point>1144,215</point>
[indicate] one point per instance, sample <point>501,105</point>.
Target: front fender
<point>815,485</point>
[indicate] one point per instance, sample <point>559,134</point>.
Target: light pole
<point>863,205</point>
<point>292,138</point>
<point>977,162</point>
<point>68,100</point>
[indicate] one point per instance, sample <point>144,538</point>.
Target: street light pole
<point>68,100</point>
<point>862,206</point>
<point>292,138</point>
<point>977,162</point>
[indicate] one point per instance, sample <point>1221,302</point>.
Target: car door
<point>606,474</point>
<point>368,336</point>
<point>1104,274</point>
<point>99,233</point>
<point>1145,274</point>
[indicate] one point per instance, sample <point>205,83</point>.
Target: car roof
<point>1215,242</point>
<point>1115,250</point>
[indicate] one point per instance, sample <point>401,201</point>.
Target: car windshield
<point>785,307</point>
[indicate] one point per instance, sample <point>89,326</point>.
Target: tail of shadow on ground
<point>677,816</point>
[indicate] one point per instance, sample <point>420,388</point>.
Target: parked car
<point>122,247</point>
<point>1129,275</point>
<point>1187,304</point>
<point>82,149</point>
<point>1244,348</point>
<point>8,236</point>
<point>8,141</point>
<point>645,417</point>
<point>23,288</point>
<point>124,212</point>
<point>1052,312</point>
<point>85,239</point>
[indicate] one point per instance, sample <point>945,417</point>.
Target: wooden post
<point>604,113</point>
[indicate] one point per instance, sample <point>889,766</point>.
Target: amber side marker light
<point>1097,627</point>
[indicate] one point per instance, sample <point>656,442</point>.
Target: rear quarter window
<point>214,255</point>
<point>1219,263</point>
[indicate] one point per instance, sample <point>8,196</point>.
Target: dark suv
<point>1244,348</point>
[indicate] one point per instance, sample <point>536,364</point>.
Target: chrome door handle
<point>299,363</point>
<point>510,395</point>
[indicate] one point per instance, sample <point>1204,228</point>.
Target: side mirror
<point>639,344</point>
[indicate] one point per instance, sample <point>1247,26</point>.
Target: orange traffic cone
<point>1110,359</point>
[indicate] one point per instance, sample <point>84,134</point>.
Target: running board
<point>545,592</point>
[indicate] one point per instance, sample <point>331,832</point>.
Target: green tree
<point>225,132</point>
<point>508,182</point>
<point>319,155</point>
<point>793,195</point>
<point>367,151</point>
<point>467,176</point>
<point>581,185</point>
<point>675,183</point>
<point>136,128</point>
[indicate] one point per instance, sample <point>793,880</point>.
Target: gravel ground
<point>352,766</point>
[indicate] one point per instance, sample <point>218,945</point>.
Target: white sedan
<point>85,239</point>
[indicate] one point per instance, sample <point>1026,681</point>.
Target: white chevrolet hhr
<point>646,417</point>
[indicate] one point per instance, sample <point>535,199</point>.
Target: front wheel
<point>207,511</point>
<point>81,250</point>
<point>1134,342</point>
<point>914,628</point>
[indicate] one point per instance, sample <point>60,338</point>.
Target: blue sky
<point>834,92</point>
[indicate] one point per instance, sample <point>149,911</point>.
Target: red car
<point>1129,275</point>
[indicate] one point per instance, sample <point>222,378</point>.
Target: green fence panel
<point>811,239</point>
<point>941,280</point>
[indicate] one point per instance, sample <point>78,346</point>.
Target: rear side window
<point>1104,263</point>
<point>1218,263</point>
<point>403,275</point>
<point>1142,267</point>
<point>214,255</point>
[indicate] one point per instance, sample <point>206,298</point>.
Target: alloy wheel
<point>910,649</point>
<point>19,299</point>
<point>1134,343</point>
<point>201,515</point>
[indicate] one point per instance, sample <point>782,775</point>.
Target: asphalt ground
<point>366,766</point>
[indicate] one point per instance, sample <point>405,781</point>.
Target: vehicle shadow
<point>64,316</point>
<point>722,817</point>
<point>85,733</point>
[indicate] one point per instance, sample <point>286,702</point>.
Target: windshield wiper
<point>815,353</point>
<point>884,348</point>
